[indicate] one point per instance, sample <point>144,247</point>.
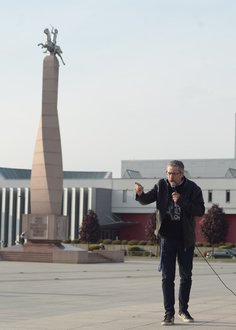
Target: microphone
<point>173,186</point>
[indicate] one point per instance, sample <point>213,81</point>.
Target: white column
<point>72,217</point>
<point>81,206</point>
<point>90,198</point>
<point>10,217</point>
<point>235,136</point>
<point>18,212</point>
<point>3,216</point>
<point>26,206</point>
<point>65,201</point>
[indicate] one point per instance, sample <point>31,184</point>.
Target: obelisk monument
<point>45,223</point>
<point>45,227</point>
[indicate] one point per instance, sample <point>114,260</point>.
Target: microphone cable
<point>215,272</point>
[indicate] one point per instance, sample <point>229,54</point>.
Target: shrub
<point>142,242</point>
<point>138,251</point>
<point>150,243</point>
<point>124,242</point>
<point>226,246</point>
<point>133,242</point>
<point>75,241</point>
<point>107,241</point>
<point>116,242</point>
<point>93,247</point>
<point>134,248</point>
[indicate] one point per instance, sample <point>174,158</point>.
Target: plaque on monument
<point>45,228</point>
<point>61,228</point>
<point>38,227</point>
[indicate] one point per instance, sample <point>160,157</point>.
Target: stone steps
<point>94,257</point>
<point>58,253</point>
<point>25,256</point>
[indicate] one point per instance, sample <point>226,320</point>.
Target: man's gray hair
<point>177,163</point>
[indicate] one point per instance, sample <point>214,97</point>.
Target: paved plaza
<point>121,296</point>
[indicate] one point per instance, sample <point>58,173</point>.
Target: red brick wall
<point>136,228</point>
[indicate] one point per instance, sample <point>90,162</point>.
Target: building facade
<point>113,199</point>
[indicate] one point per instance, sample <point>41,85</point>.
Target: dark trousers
<point>170,251</point>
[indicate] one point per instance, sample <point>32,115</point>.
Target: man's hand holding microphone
<point>175,195</point>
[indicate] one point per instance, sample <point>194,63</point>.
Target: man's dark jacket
<point>190,200</point>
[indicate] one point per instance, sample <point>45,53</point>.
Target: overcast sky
<point>144,79</point>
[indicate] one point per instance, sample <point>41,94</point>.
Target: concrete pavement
<point>119,296</point>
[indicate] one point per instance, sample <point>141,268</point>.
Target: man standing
<point>178,202</point>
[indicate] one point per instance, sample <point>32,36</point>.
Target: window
<point>209,196</point>
<point>227,196</point>
<point>124,196</point>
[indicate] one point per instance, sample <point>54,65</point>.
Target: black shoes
<point>168,320</point>
<point>186,317</point>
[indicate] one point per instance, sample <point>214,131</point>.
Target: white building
<point>113,199</point>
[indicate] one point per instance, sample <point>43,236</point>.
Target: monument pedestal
<point>48,228</point>
<point>45,235</point>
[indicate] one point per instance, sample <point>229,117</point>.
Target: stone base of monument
<point>58,253</point>
<point>45,228</point>
<point>44,234</point>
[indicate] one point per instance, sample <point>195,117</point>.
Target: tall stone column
<point>45,222</point>
<point>47,174</point>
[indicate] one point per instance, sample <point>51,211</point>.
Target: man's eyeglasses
<point>173,173</point>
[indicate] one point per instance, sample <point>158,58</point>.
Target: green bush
<point>150,243</point>
<point>142,242</point>
<point>107,241</point>
<point>140,253</point>
<point>134,248</point>
<point>75,241</point>
<point>133,242</point>
<point>124,242</point>
<point>226,246</point>
<point>93,247</point>
<point>116,242</point>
